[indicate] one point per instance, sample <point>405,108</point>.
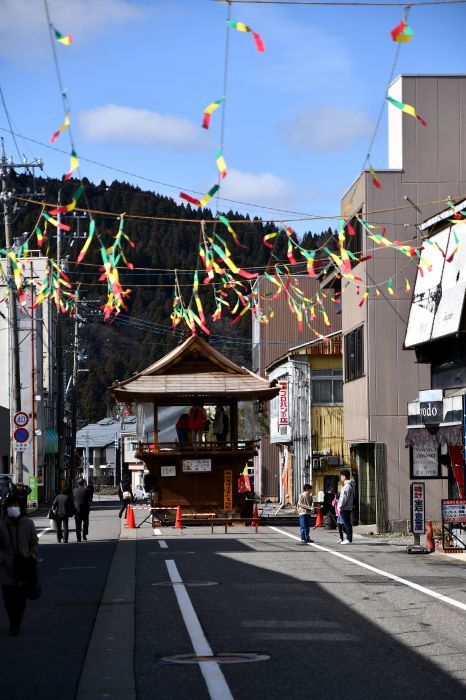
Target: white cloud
<point>128,125</point>
<point>325,129</point>
<point>266,188</point>
<point>23,23</point>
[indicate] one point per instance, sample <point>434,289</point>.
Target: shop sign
<point>167,471</point>
<point>425,462</point>
<point>454,511</point>
<point>418,519</point>
<point>431,406</point>
<point>228,490</point>
<point>197,465</point>
<point>33,497</point>
<point>283,417</point>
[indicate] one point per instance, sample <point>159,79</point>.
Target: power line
<point>322,3</point>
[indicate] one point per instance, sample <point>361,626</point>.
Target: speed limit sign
<point>21,419</point>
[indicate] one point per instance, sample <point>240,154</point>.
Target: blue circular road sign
<point>21,435</point>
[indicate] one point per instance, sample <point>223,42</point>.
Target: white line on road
<point>387,574</point>
<point>163,544</point>
<point>47,529</point>
<point>213,676</point>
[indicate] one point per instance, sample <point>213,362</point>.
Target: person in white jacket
<point>345,504</point>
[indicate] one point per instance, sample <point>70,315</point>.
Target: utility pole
<point>74,384</point>
<point>61,426</point>
<point>13,335</point>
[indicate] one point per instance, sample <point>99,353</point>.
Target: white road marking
<point>213,676</point>
<point>387,574</point>
<point>163,544</point>
<point>47,529</point>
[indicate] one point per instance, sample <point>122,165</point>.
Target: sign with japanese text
<point>167,471</point>
<point>418,519</point>
<point>454,511</point>
<point>425,462</point>
<point>197,465</point>
<point>283,417</point>
<point>33,497</point>
<point>228,490</point>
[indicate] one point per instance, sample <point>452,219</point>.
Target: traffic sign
<point>21,435</point>
<point>21,419</point>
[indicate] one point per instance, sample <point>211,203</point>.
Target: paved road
<point>325,624</point>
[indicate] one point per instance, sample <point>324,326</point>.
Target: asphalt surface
<point>326,625</point>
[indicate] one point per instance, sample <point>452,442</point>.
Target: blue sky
<point>139,74</point>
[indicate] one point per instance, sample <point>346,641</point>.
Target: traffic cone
<point>178,519</point>
<point>130,522</point>
<point>255,516</point>
<point>430,542</point>
<point>319,519</point>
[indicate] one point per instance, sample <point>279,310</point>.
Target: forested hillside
<point>143,333</point>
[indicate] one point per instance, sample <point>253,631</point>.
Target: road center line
<point>387,574</point>
<point>163,544</point>
<point>213,676</point>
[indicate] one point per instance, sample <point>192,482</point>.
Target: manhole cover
<point>232,658</point>
<point>190,584</point>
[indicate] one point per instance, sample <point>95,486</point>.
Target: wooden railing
<point>202,447</point>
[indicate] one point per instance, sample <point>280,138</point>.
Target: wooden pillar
<point>156,428</point>
<point>234,424</point>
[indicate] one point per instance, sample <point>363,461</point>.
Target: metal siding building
<point>270,342</point>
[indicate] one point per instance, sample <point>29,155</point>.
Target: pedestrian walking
<point>63,507</point>
<point>22,492</point>
<point>6,488</point>
<point>18,562</point>
<point>345,504</point>
<point>125,493</point>
<point>339,519</point>
<point>82,502</point>
<point>305,507</point>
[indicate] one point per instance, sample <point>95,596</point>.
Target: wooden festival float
<point>202,478</point>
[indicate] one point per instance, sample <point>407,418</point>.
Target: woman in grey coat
<point>64,509</point>
<point>18,539</point>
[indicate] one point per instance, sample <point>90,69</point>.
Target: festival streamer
<point>230,264</point>
<point>230,229</point>
<point>375,180</point>
<point>200,202</point>
<point>88,241</point>
<point>74,163</point>
<point>61,129</point>
<point>269,237</point>
<point>364,297</point>
<point>402,33</point>
<point>240,27</point>
<point>55,223</point>
<point>18,276</point>
<point>390,286</point>
<point>208,112</point>
<point>408,109</point>
<point>72,205</point>
<point>221,165</point>
<point>65,39</point>
<point>407,286</point>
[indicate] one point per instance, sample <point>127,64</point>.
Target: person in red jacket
<point>197,423</point>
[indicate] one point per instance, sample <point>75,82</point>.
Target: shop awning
<point>51,441</point>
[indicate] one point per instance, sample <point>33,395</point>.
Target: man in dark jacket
<point>22,492</point>
<point>82,503</point>
<point>6,488</point>
<point>63,507</point>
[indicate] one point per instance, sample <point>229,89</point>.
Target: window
<point>327,386</point>
<point>354,355</point>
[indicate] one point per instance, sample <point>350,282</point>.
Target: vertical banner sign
<point>418,515</point>
<point>228,490</point>
<point>33,497</point>
<point>283,418</point>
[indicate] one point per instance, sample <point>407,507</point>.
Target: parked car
<point>140,493</point>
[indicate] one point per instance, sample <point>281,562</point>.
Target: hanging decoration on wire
<point>65,39</point>
<point>200,202</point>
<point>240,27</point>
<point>375,180</point>
<point>208,112</point>
<point>61,129</point>
<point>221,165</point>
<point>402,33</point>
<point>67,208</point>
<point>74,164</point>
<point>408,109</point>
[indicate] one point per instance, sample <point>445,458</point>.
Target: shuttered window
<point>354,354</point>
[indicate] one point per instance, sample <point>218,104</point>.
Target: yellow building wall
<point>327,435</point>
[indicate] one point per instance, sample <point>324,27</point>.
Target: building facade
<point>426,165</point>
